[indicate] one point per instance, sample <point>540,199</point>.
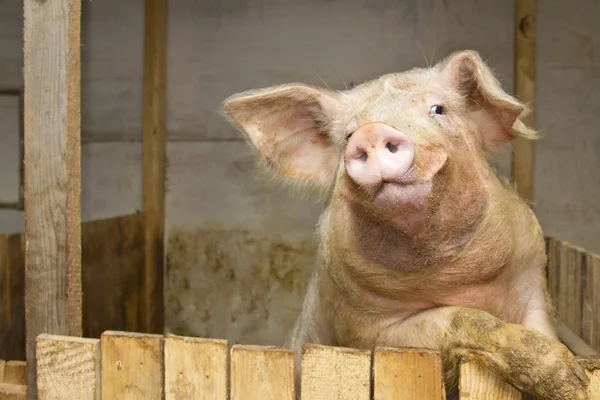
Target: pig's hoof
<point>547,370</point>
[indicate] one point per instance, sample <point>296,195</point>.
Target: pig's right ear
<point>288,125</point>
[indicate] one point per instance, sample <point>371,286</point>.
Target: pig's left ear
<point>288,125</point>
<point>496,113</point>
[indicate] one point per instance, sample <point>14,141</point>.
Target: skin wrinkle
<point>456,264</point>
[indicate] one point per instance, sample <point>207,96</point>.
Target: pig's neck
<point>469,239</point>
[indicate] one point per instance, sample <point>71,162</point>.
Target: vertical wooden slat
<point>335,373</point>
<point>12,297</point>
<point>563,273</point>
<point>68,368</point>
<point>15,372</point>
<point>132,366</point>
<point>591,302</point>
<point>195,369</point>
<point>407,374</point>
<point>261,373</point>
<point>52,166</point>
<point>2,364</point>
<point>477,383</point>
<point>153,161</point>
<point>553,270</point>
<point>575,259</point>
<point>522,166</point>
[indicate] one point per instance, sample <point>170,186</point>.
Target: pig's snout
<point>377,153</point>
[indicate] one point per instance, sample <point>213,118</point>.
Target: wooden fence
<point>112,252</point>
<point>123,366</point>
<point>574,286</point>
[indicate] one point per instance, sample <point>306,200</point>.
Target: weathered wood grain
<point>575,257</point>
<point>113,267</point>
<point>153,161</point>
<point>195,369</point>
<point>10,391</point>
<point>15,372</point>
<point>52,166</point>
<point>590,323</point>
<point>132,366</point>
<point>12,297</point>
<point>262,373</point>
<point>476,383</point>
<point>335,373</point>
<point>405,374</point>
<point>68,368</point>
<point>525,60</point>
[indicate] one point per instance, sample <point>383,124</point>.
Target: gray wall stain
<point>235,284</point>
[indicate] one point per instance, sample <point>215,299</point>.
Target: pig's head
<point>395,149</point>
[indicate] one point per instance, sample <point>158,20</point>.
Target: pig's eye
<point>439,110</point>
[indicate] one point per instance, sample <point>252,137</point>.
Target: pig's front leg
<point>531,361</point>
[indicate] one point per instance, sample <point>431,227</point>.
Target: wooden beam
<point>408,373</point>
<point>335,373</point>
<point>195,368</point>
<point>153,164</point>
<point>260,372</point>
<point>52,71</point>
<point>68,368</point>
<point>132,366</point>
<point>522,166</point>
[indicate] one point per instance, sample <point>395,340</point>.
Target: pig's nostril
<point>391,147</point>
<point>362,156</point>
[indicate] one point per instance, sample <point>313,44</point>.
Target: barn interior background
<point>239,253</point>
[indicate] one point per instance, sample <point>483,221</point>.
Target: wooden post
<point>153,172</point>
<point>52,70</point>
<point>522,167</point>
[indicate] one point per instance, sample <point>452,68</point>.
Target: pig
<point>421,243</point>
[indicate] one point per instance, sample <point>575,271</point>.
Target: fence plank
<point>52,171</point>
<point>68,368</point>
<point>476,383</point>
<point>590,324</point>
<point>12,297</point>
<point>562,277</point>
<point>335,373</point>
<point>195,368</point>
<point>262,373</point>
<point>553,270</point>
<point>574,258</point>
<point>10,391</point>
<point>404,374</point>
<point>2,364</point>
<point>132,366</point>
<point>113,267</point>
<point>15,372</point>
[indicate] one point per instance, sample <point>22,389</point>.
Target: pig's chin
<point>403,206</point>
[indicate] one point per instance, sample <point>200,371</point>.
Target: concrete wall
<point>239,253</point>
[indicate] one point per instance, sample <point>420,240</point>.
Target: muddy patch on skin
<point>234,284</point>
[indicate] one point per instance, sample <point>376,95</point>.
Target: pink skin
<point>377,153</point>
<point>420,244</point>
<point>381,160</point>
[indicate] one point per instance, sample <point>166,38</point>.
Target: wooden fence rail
<point>123,366</point>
